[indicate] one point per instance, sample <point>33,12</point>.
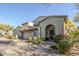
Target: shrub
<point>37,40</point>
<point>40,39</point>
<point>58,38</point>
<point>55,46</point>
<point>64,46</point>
<point>30,40</point>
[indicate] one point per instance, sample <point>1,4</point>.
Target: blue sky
<point>16,14</point>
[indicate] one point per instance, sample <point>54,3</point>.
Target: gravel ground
<point>22,48</point>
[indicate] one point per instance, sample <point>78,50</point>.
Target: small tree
<point>70,26</point>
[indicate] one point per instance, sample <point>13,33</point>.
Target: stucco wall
<point>58,22</point>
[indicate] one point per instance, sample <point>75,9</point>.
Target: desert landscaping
<point>39,29</point>
<point>22,48</point>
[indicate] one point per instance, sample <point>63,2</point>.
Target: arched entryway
<point>50,32</point>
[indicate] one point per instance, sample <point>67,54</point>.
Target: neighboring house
<point>17,32</point>
<point>27,30</point>
<point>44,26</point>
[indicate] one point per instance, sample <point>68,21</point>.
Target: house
<point>44,26</point>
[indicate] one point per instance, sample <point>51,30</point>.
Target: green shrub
<point>30,40</point>
<point>64,46</point>
<point>58,38</point>
<point>55,46</point>
<point>40,39</point>
<point>37,40</point>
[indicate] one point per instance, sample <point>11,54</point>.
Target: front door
<point>51,34</point>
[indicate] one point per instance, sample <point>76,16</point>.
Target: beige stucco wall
<point>58,22</point>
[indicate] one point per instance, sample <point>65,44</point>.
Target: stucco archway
<point>50,32</point>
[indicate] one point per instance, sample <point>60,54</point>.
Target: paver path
<point>22,48</point>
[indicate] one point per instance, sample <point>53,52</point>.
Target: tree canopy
<point>70,26</point>
<point>5,27</point>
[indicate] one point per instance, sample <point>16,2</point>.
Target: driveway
<point>16,47</point>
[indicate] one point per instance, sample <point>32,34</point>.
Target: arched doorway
<point>50,32</point>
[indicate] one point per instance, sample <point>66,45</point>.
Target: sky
<point>16,14</point>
